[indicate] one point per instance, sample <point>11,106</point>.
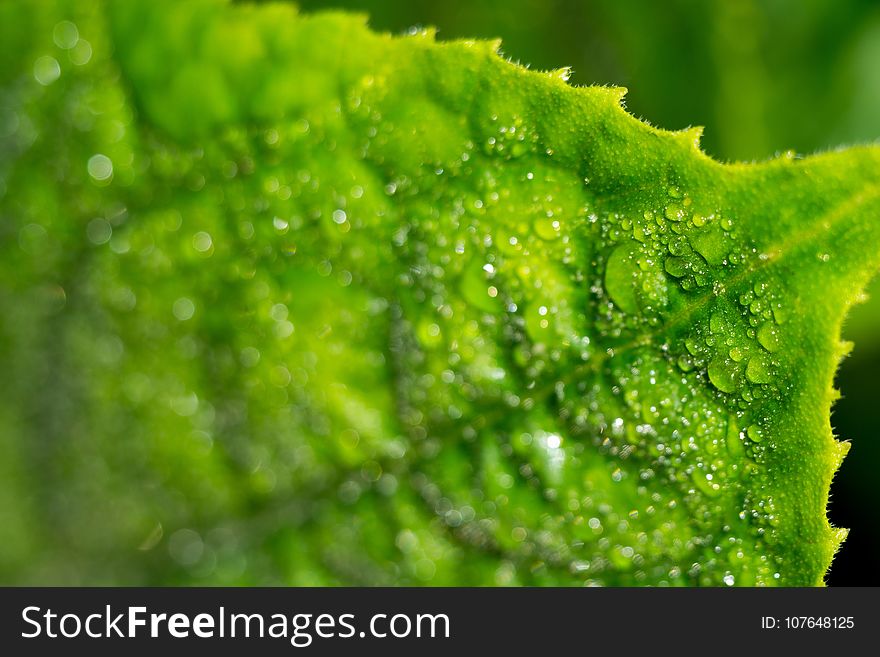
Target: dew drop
<point>676,266</point>
<point>768,336</point>
<point>620,274</point>
<point>711,245</point>
<point>755,433</point>
<point>634,282</point>
<point>723,375</point>
<point>674,212</point>
<point>757,371</point>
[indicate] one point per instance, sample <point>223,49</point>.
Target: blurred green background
<point>762,77</point>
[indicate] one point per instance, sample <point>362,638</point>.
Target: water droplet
<point>768,336</point>
<point>674,212</point>
<point>633,281</point>
<point>711,244</point>
<point>723,374</point>
<point>779,313</point>
<point>679,246</point>
<point>563,74</point>
<point>685,364</point>
<point>620,273</point>
<point>757,371</point>
<point>676,266</point>
<point>755,433</point>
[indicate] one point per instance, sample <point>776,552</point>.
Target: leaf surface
<point>301,303</point>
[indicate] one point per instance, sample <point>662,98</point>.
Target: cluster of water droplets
<point>455,328</point>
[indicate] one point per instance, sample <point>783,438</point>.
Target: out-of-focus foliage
<point>330,307</point>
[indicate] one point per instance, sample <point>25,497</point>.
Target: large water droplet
<point>768,336</point>
<point>710,244</point>
<point>620,276</point>
<point>634,281</point>
<point>723,374</point>
<point>758,371</point>
<point>755,433</point>
<point>676,266</point>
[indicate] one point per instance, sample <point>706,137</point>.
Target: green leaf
<point>294,302</point>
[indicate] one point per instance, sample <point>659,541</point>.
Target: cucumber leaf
<point>289,301</point>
